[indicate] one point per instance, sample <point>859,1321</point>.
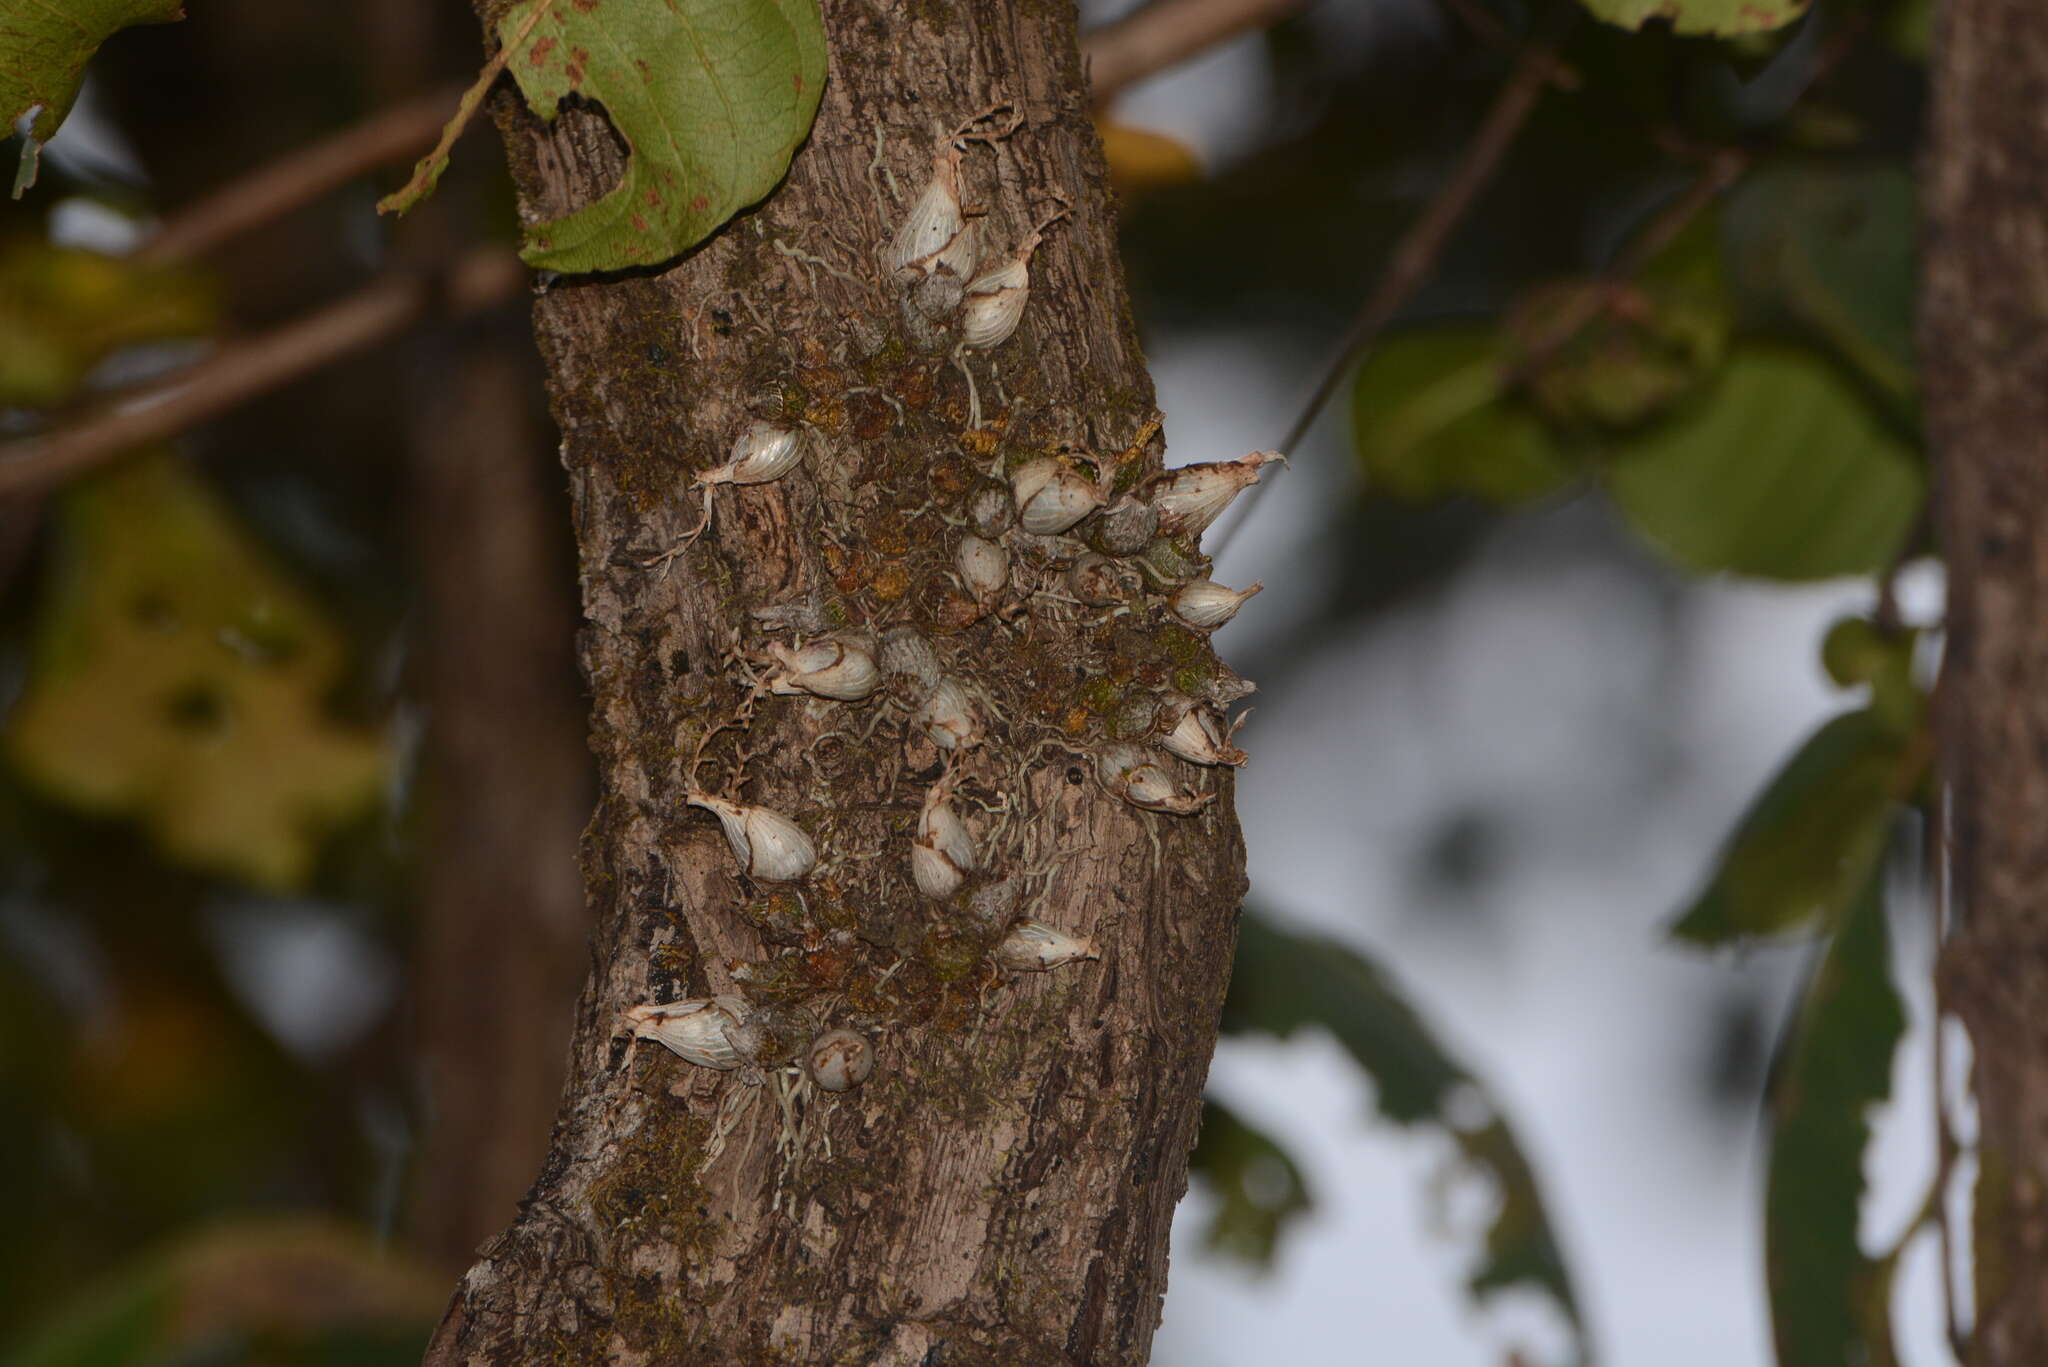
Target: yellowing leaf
<point>1723,18</point>
<point>62,311</point>
<point>1140,159</point>
<point>712,98</point>
<point>44,46</point>
<point>179,678</point>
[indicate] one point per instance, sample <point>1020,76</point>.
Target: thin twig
<point>1414,257</point>
<point>1166,33</point>
<point>297,178</point>
<point>244,369</point>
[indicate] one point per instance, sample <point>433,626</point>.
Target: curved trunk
<point>1000,1190</point>
<point>1983,326</point>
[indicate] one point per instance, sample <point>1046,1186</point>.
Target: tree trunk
<point>1985,345</point>
<point>500,910</point>
<point>1000,1190</point>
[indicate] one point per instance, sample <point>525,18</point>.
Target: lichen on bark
<point>1000,1190</point>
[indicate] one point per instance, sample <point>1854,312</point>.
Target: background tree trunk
<point>1001,1190</point>
<point>1985,349</point>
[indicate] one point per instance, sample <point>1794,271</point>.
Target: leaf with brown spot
<point>43,51</point>
<point>712,98</point>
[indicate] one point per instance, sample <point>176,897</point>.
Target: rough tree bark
<point>1985,351</point>
<point>1000,1190</point>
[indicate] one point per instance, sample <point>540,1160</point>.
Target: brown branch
<point>297,178</point>
<point>1166,33</point>
<point>243,369</point>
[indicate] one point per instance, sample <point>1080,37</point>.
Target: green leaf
<point>309,1283</point>
<point>179,678</point>
<point>62,311</point>
<point>1722,18</point>
<point>1831,249</point>
<point>1431,420</point>
<point>44,46</point>
<point>1778,469</point>
<point>712,98</point>
<point>1259,1188</point>
<point>1809,843</point>
<point>1283,982</point>
<point>1829,1302</point>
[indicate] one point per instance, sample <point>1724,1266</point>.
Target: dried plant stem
<point>428,172</point>
<point>244,369</point>
<point>297,178</point>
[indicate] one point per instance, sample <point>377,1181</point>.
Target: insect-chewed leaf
<point>1806,847</point>
<point>712,97</point>
<point>1829,1302</point>
<point>46,47</point>
<point>1283,982</point>
<point>1724,18</point>
<point>1258,1188</point>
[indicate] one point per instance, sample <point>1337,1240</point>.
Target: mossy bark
<point>1000,1191</point>
<point>1985,356</point>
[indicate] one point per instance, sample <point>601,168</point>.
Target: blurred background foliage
<point>293,762</point>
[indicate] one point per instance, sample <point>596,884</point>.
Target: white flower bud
<point>693,1029</point>
<point>936,235</point>
<point>1139,779</point>
<point>768,844</point>
<point>984,567</point>
<point>942,855</point>
<point>835,667</point>
<point>947,717</point>
<point>1034,947</point>
<point>1199,737</point>
<point>1206,604</point>
<point>1052,496</point>
<point>765,451</point>
<point>994,305</point>
<point>1190,498</point>
<point>839,1060</point>
<point>995,299</point>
